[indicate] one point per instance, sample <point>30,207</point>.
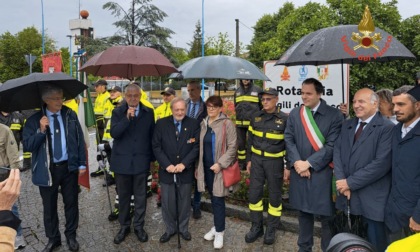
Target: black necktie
<point>359,131</point>
<point>58,152</point>
<point>177,130</point>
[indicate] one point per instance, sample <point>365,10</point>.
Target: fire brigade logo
<point>285,76</point>
<point>366,27</point>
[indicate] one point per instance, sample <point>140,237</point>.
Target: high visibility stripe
<point>256,207</point>
<point>275,211</point>
<point>27,155</point>
<point>240,157</point>
<point>268,135</point>
<point>268,154</point>
<point>245,123</point>
<point>250,129</point>
<point>15,126</point>
<point>247,98</point>
<point>243,152</point>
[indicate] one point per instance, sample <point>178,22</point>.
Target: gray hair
<point>132,87</point>
<point>374,98</point>
<point>385,94</point>
<point>46,91</point>
<point>178,99</point>
<point>403,90</point>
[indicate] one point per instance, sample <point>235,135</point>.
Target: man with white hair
<point>362,165</point>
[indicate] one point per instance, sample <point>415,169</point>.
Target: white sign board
<point>288,82</point>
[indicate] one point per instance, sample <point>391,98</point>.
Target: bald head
<point>365,103</point>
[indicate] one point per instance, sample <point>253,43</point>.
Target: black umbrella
<point>25,92</point>
<point>345,44</point>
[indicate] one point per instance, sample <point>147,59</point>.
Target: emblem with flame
<point>366,27</point>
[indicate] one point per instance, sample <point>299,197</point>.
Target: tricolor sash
<point>312,131</point>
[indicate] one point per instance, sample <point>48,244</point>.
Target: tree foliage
<point>195,44</point>
<point>139,25</point>
<point>13,49</point>
<point>221,45</point>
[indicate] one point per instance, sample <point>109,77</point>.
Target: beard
<point>407,118</point>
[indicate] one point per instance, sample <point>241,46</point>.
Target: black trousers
<point>132,185</point>
<point>68,181</point>
<point>306,231</point>
<point>241,134</point>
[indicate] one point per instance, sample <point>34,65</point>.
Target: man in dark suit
<point>402,212</point>
<point>176,147</point>
<point>132,126</point>
<point>196,108</point>
<point>362,164</point>
<point>56,130</point>
<point>310,173</point>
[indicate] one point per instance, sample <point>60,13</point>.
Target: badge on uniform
<point>191,140</point>
<point>258,119</point>
<point>254,93</point>
<point>278,121</point>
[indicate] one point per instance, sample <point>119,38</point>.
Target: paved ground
<point>96,233</point>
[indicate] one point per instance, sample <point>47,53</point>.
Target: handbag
<point>232,173</point>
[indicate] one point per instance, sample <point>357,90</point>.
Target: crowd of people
<point>369,159</point>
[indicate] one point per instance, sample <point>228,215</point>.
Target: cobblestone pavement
<point>96,233</point>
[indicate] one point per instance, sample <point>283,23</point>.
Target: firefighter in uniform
<point>266,152</point>
<point>246,103</point>
<point>14,121</point>
<point>164,109</point>
<point>27,156</point>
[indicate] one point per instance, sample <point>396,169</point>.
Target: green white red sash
<point>312,131</point>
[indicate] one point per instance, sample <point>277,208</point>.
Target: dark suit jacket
<point>366,165</point>
<point>312,195</point>
<point>169,151</point>
<point>132,149</point>
<point>202,110</point>
<point>404,199</point>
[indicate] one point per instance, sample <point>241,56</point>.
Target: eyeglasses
<point>212,107</point>
<point>55,99</point>
<point>132,96</point>
<point>266,99</point>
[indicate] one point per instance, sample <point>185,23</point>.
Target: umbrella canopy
<point>25,92</point>
<point>219,67</point>
<point>345,44</point>
<point>129,62</point>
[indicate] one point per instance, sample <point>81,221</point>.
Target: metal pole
<point>202,43</point>
<point>237,38</point>
<point>43,35</point>
<point>70,56</point>
<point>30,63</point>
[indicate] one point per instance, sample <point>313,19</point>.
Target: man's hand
<point>170,169</point>
<point>347,193</point>
<point>248,167</point>
<point>82,172</point>
<point>10,190</point>
<point>301,166</point>
<point>131,112</point>
<point>43,123</point>
<point>414,226</point>
<point>215,168</point>
<point>306,174</point>
<point>179,168</point>
<point>343,109</point>
<point>342,185</point>
<point>286,176</point>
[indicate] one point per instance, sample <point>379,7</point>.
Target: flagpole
<point>43,35</point>
<point>202,43</point>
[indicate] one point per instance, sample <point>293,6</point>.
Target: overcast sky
<point>219,16</point>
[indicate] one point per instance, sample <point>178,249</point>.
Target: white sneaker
<point>210,235</point>
<point>20,242</point>
<point>218,240</point>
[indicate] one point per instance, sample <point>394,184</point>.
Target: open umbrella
<point>346,44</point>
<point>129,62</point>
<point>25,92</point>
<point>219,67</point>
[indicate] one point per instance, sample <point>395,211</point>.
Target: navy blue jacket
<point>36,142</point>
<point>170,151</point>
<point>132,147</point>
<point>404,199</point>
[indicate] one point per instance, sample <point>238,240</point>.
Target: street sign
<point>30,59</point>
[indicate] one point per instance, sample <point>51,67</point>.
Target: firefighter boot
<point>270,233</point>
<point>257,229</point>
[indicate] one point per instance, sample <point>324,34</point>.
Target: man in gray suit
<point>362,165</point>
<point>310,135</point>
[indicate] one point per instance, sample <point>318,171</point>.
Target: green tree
<point>139,25</point>
<point>221,45</point>
<point>13,49</point>
<point>195,44</point>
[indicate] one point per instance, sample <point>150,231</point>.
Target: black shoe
<point>73,244</point>
<point>197,213</point>
<point>51,246</point>
<point>149,194</point>
<point>120,237</point>
<point>109,181</point>
<point>97,173</point>
<point>141,235</point>
<point>255,232</point>
<point>270,235</point>
<point>114,215</point>
<point>165,237</point>
<point>186,236</point>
